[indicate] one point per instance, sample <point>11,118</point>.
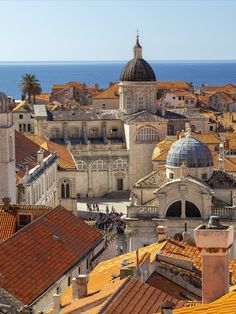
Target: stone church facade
<point>113,148</point>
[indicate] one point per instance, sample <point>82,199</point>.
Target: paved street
<point>119,204</point>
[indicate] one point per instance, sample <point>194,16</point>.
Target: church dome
<point>191,152</point>
<point>4,103</point>
<point>137,69</point>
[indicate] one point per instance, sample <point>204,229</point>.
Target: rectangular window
<point>21,116</point>
<point>128,102</point>
<point>179,97</point>
<point>114,132</point>
<point>204,176</point>
<point>140,101</point>
<point>29,127</point>
<point>69,281</point>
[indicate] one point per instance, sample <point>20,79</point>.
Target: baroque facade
<point>187,189</point>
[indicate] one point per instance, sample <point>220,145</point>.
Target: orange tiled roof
<point>19,106</point>
<point>134,296</point>
<point>109,93</point>
<point>184,251</point>
<point>229,163</point>
<point>30,260</point>
<point>173,85</point>
<point>100,278</point>
<point>65,158</point>
<point>224,305</point>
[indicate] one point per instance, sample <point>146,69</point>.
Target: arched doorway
<point>191,210</point>
<point>174,210</point>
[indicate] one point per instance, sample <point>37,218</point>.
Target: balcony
<point>141,211</point>
<point>228,212</point>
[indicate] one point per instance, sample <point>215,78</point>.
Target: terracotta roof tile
<point>182,250</point>
<point>224,305</point>
<point>173,85</point>
<point>26,153</point>
<point>100,283</point>
<point>135,296</point>
<point>65,161</point>
<point>30,259</point>
<point>109,93</point>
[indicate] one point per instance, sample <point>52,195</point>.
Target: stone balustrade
<point>141,211</point>
<point>224,212</point>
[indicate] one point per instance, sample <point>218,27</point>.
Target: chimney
<point>161,233</point>
<point>56,303</point>
<point>80,286</point>
<point>214,241</point>
<point>186,234</point>
<point>40,156</point>
<point>221,161</point>
<point>6,203</point>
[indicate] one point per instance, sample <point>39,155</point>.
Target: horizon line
<point>116,61</point>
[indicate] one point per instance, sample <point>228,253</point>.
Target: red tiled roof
<point>135,296</point>
<point>26,148</point>
<point>42,252</point>
<point>8,222</point>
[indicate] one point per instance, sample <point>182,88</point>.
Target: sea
<point>104,72</point>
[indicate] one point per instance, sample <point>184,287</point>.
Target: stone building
<point>7,151</point>
<point>187,189</point>
<point>113,148</point>
<point>36,173</point>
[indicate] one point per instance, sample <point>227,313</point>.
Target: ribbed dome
<point>190,151</point>
<point>4,103</point>
<point>137,70</point>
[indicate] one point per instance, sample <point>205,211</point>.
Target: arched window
<point>191,210</point>
<point>65,189</point>
<point>147,134</point>
<point>99,165</point>
<point>174,210</point>
<point>82,165</point>
<point>119,164</point>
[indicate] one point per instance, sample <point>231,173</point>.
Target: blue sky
<point>58,30</point>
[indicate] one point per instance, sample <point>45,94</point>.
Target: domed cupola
<point>4,103</point>
<point>190,155</point>
<point>137,69</point>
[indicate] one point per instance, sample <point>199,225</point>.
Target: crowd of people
<point>110,222</point>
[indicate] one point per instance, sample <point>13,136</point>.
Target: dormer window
<point>24,220</point>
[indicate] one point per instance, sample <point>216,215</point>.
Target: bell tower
<point>7,152</point>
